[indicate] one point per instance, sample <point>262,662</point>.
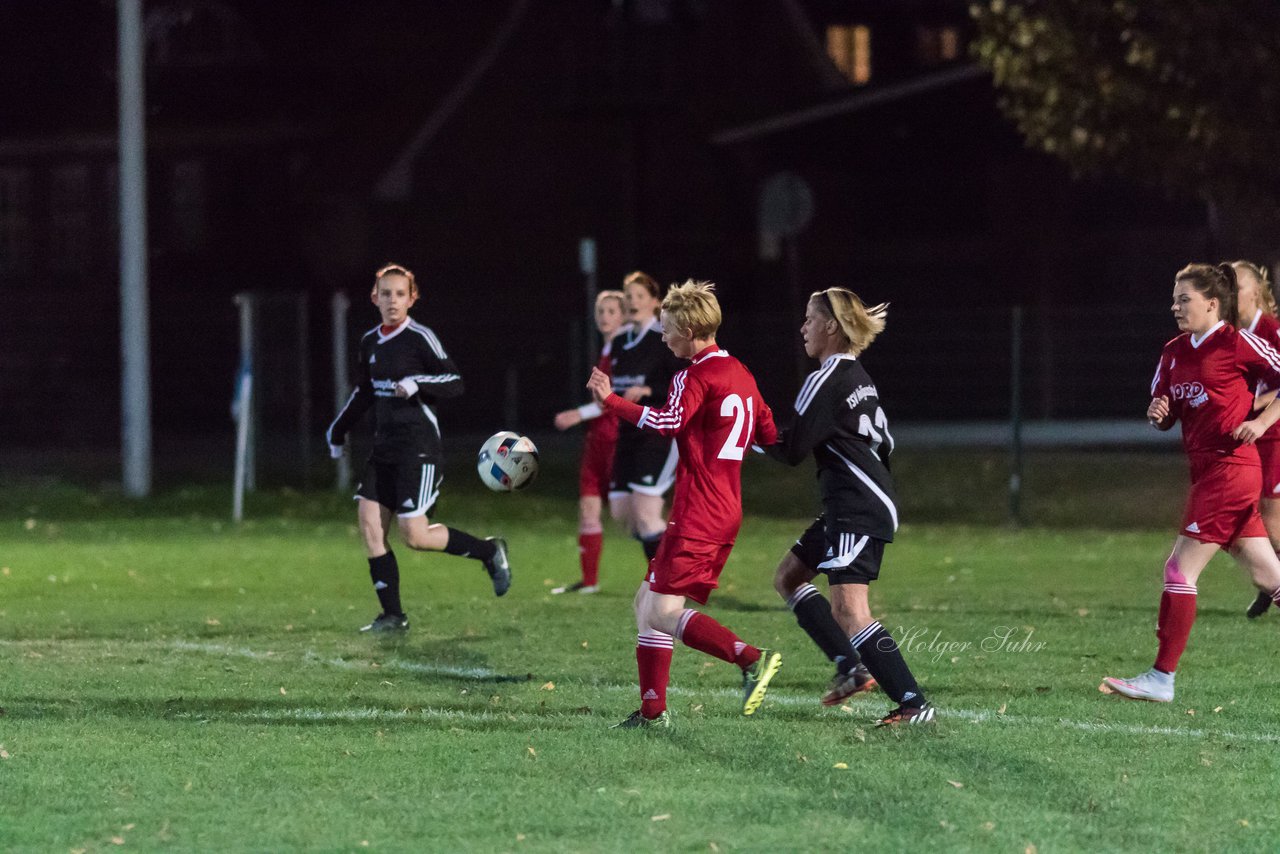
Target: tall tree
<point>1182,95</point>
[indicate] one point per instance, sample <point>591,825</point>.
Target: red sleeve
<point>684,396</point>
<point>1160,382</point>
<point>1260,360</point>
<point>766,429</point>
<point>618,405</point>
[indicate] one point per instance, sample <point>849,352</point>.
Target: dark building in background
<point>295,146</point>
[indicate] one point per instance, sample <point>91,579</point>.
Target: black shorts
<point>845,557</point>
<point>644,464</point>
<point>406,489</point>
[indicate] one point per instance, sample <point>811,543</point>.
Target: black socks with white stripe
<point>463,544</point>
<point>813,613</point>
<point>385,573</point>
<point>880,653</point>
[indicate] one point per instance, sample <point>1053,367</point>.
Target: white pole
<point>244,414</point>
<point>341,378</point>
<point>135,389</point>
<point>246,302</point>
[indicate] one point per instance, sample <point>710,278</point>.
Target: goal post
<point>272,406</point>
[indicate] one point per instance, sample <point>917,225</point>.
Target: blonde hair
<point>859,324</point>
<point>692,309</point>
<point>619,296</point>
<point>395,270</point>
<point>1266,297</point>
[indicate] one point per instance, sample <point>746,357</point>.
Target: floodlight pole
<point>135,389</point>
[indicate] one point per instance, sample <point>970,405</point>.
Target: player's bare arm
<point>1250,431</point>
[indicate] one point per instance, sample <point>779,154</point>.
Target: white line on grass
<point>340,663</point>
<point>976,716</point>
<point>373,714</point>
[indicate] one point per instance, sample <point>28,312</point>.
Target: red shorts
<point>687,567</point>
<point>1222,506</point>
<point>596,469</point>
<point>1269,451</point>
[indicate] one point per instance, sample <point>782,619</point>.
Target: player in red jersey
<point>1206,378</point>
<point>715,412</point>
<point>1256,313</point>
<point>596,468</point>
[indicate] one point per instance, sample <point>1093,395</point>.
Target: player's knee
<point>1173,572</point>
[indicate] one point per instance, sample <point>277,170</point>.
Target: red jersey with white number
<point>1210,382</point>
<point>716,412</point>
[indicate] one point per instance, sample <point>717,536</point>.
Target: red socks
<point>589,546</point>
<point>1177,613</point>
<point>653,660</point>
<point>706,635</point>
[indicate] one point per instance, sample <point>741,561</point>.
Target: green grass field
<point>175,683</point>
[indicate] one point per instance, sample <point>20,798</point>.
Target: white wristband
<point>587,411</point>
<point>408,386</point>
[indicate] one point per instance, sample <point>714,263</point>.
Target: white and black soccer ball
<point>508,461</point>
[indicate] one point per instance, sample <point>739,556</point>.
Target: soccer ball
<point>507,461</point>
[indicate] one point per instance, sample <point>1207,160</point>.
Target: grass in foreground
<point>179,684</point>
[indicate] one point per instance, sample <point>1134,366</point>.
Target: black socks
<point>813,613</point>
<point>463,544</point>
<point>880,653</point>
<point>385,573</point>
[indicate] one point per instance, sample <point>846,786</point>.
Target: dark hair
<point>1213,281</point>
<point>649,283</point>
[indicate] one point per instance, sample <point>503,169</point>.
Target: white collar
<point>1212,329</point>
<point>394,332</point>
<point>1253,324</point>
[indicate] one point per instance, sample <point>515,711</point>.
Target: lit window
<point>937,44</point>
<point>849,46</point>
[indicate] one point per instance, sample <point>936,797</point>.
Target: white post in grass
<point>135,359</point>
<point>340,305</point>
<point>243,407</point>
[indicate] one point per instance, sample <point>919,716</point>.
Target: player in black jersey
<point>641,368</point>
<point>403,371</point>
<point>839,420</point>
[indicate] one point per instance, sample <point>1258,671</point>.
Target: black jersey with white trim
<point>406,430</point>
<point>639,357</point>
<point>838,419</point>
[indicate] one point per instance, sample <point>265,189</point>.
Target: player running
<point>839,420</point>
<point>403,371</point>
<point>715,411</point>
<point>596,468</point>
<point>1256,313</point>
<point>1206,379</point>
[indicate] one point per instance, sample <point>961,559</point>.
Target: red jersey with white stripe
<point>1210,382</point>
<point>716,412</point>
<point>1266,327</point>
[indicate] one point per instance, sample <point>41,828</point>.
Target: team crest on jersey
<point>1193,393</point>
